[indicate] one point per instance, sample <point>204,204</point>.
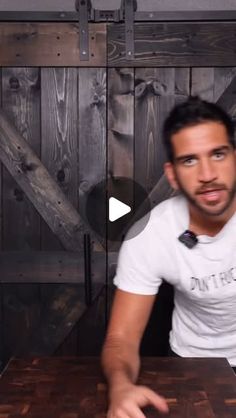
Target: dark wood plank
<point>36,182</point>
<point>120,134</point>
<point>227,99</point>
<point>92,91</point>
<point>156,91</point>
<point>91,328</point>
<point>74,387</point>
<point>120,122</point>
<point>217,85</point>
<point>60,315</point>
<point>49,44</point>
<point>211,83</point>
<point>21,228</point>
<point>223,76</point>
<point>63,148</point>
<point>174,44</point>
<point>154,97</point>
<point>182,84</point>
<point>21,103</point>
<point>59,141</point>
<point>92,143</point>
<point>60,156</point>
<point>203,83</point>
<point>48,267</point>
<point>120,147</point>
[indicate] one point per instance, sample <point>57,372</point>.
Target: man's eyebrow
<point>184,157</point>
<point>221,148</point>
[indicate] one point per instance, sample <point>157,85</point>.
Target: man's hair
<point>190,113</point>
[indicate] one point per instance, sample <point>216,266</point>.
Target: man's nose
<point>207,172</point>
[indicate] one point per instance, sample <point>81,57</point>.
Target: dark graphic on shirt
<point>214,281</point>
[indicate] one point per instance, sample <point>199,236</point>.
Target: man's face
<point>204,167</point>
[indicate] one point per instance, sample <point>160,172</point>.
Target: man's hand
<point>127,401</point>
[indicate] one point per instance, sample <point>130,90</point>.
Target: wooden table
<point>68,387</point>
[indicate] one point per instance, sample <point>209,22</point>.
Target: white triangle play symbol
<point>117,209</point>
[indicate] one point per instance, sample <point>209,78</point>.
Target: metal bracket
<point>83,7</point>
<point>115,15</point>
<point>129,6</point>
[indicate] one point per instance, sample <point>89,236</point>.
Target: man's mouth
<point>211,195</point>
<point>210,191</point>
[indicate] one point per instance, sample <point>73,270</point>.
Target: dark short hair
<point>193,112</point>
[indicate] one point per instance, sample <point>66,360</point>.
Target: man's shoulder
<point>168,216</point>
<point>168,208</point>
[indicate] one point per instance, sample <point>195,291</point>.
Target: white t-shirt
<point>204,278</point>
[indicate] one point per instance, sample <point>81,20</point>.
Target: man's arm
<point>120,356</point>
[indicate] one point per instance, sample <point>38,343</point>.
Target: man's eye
<point>218,156</point>
<point>189,161</point>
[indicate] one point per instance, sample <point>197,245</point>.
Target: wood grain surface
<point>92,151</point>
<point>48,267</point>
<point>59,138</point>
<point>49,44</point>
<point>21,103</point>
<point>36,182</point>
<point>120,134</point>
<point>21,226</point>
<point>92,145</point>
<point>69,387</point>
<point>174,44</point>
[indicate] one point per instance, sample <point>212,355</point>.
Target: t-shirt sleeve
<point>139,266</point>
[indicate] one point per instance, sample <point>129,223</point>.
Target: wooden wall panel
<point>121,122</point>
<point>92,170</point>
<point>21,102</point>
<point>171,44</point>
<point>120,131</point>
<point>59,135</point>
<point>79,151</point>
<point>21,227</point>
<point>156,91</point>
<point>216,85</point>
<point>120,147</point>
<point>154,97</point>
<point>223,78</point>
<point>49,44</point>
<point>203,83</point>
<point>48,266</point>
<point>92,139</point>
<point>59,144</point>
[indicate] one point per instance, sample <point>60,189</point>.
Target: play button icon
<point>117,209</point>
<point>115,206</point>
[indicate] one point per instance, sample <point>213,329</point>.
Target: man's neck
<point>202,224</point>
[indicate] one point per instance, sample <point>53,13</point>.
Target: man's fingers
<point>133,412</point>
<point>128,404</point>
<point>156,400</point>
<point>137,413</point>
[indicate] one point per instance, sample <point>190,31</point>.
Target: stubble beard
<point>231,196</point>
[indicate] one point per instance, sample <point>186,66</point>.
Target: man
<point>201,265</point>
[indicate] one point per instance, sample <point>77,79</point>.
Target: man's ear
<point>170,174</point>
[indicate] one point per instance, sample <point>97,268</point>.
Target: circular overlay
<point>100,208</point>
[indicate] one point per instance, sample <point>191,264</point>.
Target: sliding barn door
<point>85,125</point>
